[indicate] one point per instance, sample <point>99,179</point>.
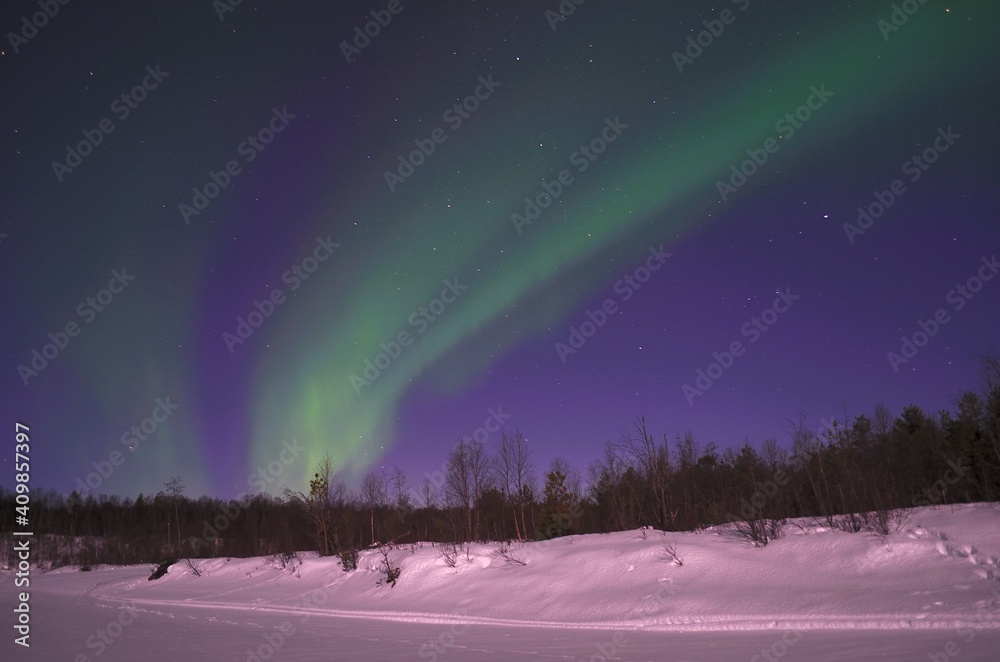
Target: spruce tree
<point>557,512</point>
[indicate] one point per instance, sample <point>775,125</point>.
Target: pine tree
<point>557,512</point>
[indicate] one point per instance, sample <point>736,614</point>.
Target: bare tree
<point>882,422</point>
<point>653,462</point>
<point>175,488</point>
<point>402,496</point>
<point>458,484</point>
<point>573,481</point>
<point>522,473</point>
<point>428,493</point>
<point>325,492</point>
<point>373,493</point>
<point>606,486</point>
<point>989,382</point>
<point>774,455</point>
<point>468,476</point>
<point>504,461</point>
<point>481,473</point>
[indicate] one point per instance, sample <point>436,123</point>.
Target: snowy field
<point>928,592</point>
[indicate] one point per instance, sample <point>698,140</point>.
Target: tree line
<point>856,475</point>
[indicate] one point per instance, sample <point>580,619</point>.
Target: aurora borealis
<point>372,243</point>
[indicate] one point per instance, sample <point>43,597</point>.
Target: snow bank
<point>941,570</point>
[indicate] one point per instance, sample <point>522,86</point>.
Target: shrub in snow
<point>759,530</point>
<point>451,552</point>
<point>846,522</point>
<point>161,570</point>
<point>390,571</point>
<point>882,522</point>
<point>285,560</point>
<point>670,553</point>
<point>349,559</point>
<point>504,552</point>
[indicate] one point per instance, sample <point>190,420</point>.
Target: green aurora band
<point>305,391</point>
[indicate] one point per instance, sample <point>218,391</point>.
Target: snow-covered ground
<point>930,591</point>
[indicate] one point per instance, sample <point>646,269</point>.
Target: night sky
<point>566,218</point>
